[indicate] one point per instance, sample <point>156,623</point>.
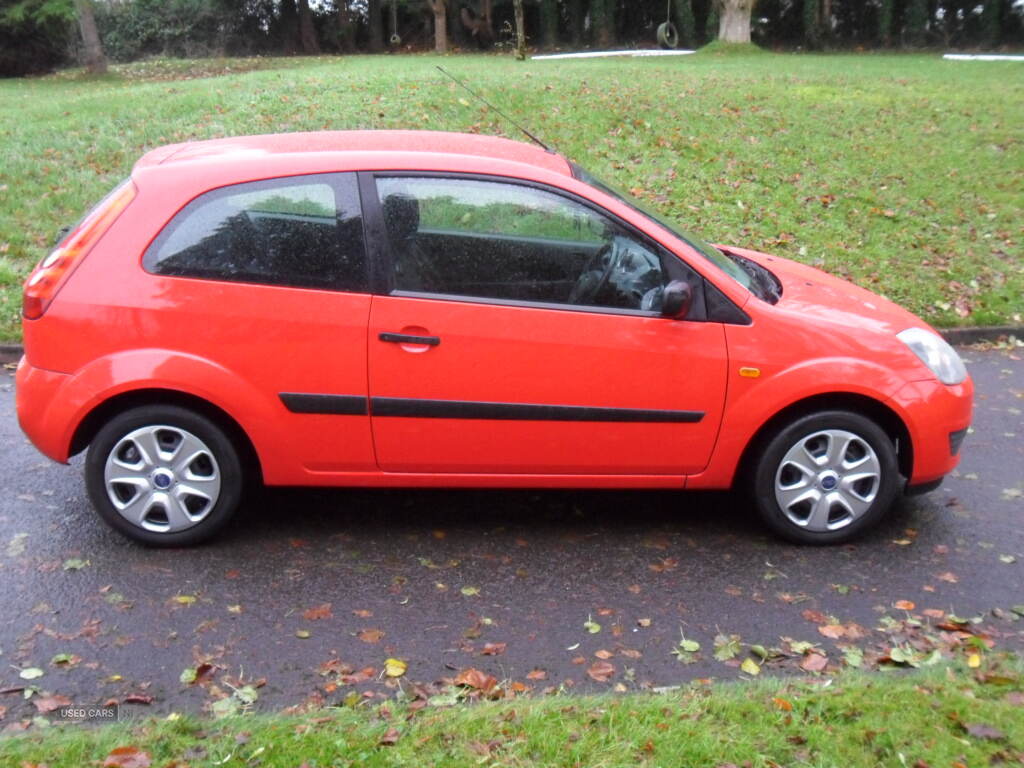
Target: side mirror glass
<point>676,300</point>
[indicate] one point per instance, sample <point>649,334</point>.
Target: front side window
<point>304,232</point>
<point>494,240</point>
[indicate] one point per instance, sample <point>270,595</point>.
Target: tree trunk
<point>812,31</point>
<point>307,32</point>
<point>480,23</point>
<point>95,61</point>
<point>439,7</point>
<point>734,20</point>
<point>575,11</point>
<point>346,29</point>
<point>375,26</point>
<point>520,31</point>
<point>289,27</point>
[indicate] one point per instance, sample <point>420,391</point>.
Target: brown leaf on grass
<point>601,671</point>
<point>537,674</point>
<point>814,662</point>
<point>982,731</point>
<point>474,678</point>
<point>370,636</point>
<point>390,737</point>
<point>782,704</point>
<point>493,649</point>
<point>318,612</point>
<point>127,757</point>
<point>44,704</point>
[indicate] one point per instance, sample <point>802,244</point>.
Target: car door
<point>518,333</point>
<point>269,279</point>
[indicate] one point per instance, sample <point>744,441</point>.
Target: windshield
<point>725,262</point>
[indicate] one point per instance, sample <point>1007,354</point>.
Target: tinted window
<point>303,231</point>
<point>488,239</point>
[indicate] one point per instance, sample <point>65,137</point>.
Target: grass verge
<point>900,172</point>
<point>942,717</point>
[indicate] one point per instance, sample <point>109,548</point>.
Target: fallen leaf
<point>982,731</point>
<point>470,591</point>
<point>974,660</point>
<point>302,634</point>
<point>726,647</point>
<point>782,704</point>
<point>591,626</point>
<point>493,649</point>
<point>643,623</point>
<point>814,662</point>
<point>44,704</point>
<point>834,631</point>
<point>137,698</point>
<point>31,673</point>
<point>75,564</point>
<point>750,667</point>
<point>395,667</point>
<point>537,674</point>
<point>390,738</point>
<point>601,671</point>
<point>127,757</point>
<point>474,678</point>
<point>948,576</point>
<point>1008,559</point>
<point>184,599</point>
<point>603,654</point>
<point>317,613</point>
<point>362,613</point>
<point>370,636</point>
<point>904,605</point>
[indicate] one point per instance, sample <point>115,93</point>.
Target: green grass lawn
<point>903,173</point>
<point>947,717</point>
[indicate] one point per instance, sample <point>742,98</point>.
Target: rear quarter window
<point>304,231</point>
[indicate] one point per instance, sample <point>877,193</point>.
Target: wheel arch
<point>886,418</point>
<point>94,420</point>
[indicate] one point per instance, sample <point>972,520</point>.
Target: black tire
<point>226,466</point>
<point>812,431</point>
<point>667,36</point>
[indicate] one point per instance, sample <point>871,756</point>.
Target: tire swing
<point>668,37</point>
<point>395,38</point>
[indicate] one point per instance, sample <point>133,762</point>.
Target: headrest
<point>401,215</point>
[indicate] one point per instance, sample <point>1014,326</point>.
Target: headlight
<point>933,351</point>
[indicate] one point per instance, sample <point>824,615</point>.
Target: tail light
<point>51,273</point>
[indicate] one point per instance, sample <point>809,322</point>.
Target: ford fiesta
<point>434,309</point>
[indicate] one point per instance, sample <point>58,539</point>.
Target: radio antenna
<point>476,95</point>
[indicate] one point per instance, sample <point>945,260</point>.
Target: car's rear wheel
<point>826,477</point>
<point>164,475</point>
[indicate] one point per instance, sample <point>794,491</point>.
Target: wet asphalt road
<point>440,574</point>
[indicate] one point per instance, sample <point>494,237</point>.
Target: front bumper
<point>937,417</point>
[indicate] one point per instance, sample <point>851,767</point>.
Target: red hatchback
<point>433,309</point>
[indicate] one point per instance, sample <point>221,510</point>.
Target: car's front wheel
<point>826,477</point>
<point>164,475</point>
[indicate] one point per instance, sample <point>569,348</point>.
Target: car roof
<point>349,149</point>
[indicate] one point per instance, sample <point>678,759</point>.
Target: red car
<point>436,309</point>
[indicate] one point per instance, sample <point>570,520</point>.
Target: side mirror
<point>676,299</point>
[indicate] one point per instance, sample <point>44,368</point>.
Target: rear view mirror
<point>676,300</point>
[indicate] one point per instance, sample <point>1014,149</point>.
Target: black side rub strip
<point>458,409</point>
<point>337,405</point>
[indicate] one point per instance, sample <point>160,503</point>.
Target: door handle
<point>402,338</point>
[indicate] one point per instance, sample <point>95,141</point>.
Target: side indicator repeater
<point>750,373</point>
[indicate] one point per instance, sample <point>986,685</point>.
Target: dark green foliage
<point>885,23</point>
<point>685,23</point>
<point>711,25</point>
<point>916,22</point>
<point>549,22</point>
<point>35,35</point>
<point>812,31</point>
<point>990,22</point>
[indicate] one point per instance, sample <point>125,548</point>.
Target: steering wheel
<point>593,279</point>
